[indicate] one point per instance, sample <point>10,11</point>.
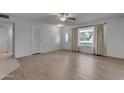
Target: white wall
<point>114,36</point>
<point>50,37</point>
<point>23,37</point>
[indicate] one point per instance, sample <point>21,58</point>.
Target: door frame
<point>12,24</point>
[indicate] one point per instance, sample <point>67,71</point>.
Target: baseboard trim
<point>95,55</point>
<point>72,51</point>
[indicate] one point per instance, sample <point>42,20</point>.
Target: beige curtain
<point>74,45</point>
<point>99,39</point>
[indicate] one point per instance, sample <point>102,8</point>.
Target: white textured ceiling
<point>51,18</point>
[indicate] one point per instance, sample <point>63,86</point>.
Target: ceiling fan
<point>64,16</point>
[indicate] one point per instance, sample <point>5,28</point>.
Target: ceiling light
<point>63,18</point>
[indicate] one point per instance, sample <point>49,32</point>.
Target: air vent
<point>4,16</point>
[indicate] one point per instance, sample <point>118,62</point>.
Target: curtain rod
<point>87,26</point>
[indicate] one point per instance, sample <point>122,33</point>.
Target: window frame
<point>66,37</point>
<point>86,29</point>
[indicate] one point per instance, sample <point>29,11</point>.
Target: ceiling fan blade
<point>64,14</point>
<point>71,18</point>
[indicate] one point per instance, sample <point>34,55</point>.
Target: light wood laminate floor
<point>66,65</point>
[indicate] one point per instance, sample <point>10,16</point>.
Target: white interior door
<point>36,42</point>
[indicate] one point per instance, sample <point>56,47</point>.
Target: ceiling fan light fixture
<point>63,18</point>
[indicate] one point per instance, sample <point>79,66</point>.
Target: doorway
<point>36,40</point>
<point>6,40</point>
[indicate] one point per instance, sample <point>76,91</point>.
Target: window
<point>66,37</point>
<point>85,36</point>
